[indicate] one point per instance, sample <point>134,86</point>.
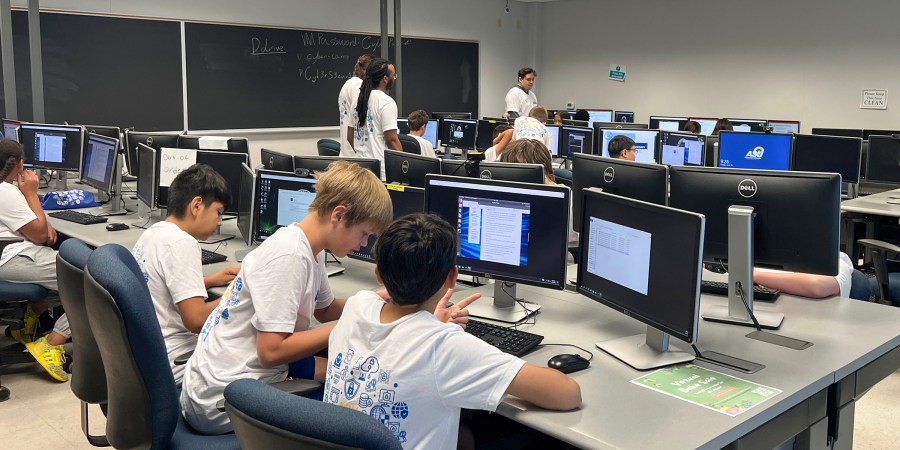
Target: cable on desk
<point>149,218</point>
<point>740,291</point>
<point>696,351</point>
<point>521,301</point>
<point>570,345</point>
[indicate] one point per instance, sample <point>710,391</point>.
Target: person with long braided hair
<point>375,114</point>
<point>347,98</point>
<point>32,260</point>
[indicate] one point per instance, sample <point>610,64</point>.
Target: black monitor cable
<point>530,318</point>
<point>740,292</point>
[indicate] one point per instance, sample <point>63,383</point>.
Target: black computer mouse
<point>568,363</point>
<point>117,227</point>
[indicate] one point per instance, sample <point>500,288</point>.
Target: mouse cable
<point>569,345</point>
<point>740,291</point>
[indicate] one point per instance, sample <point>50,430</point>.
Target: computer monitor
<point>575,140</point>
<point>832,154</point>
<point>314,163</point>
<point>405,200</point>
<point>884,160</point>
<point>645,182</point>
<point>281,199</point>
<point>554,140</point>
<point>867,134</point>
<point>711,159</point>
<point>624,116</point>
<point>500,238</point>
<point>189,141</point>
<point>53,147</point>
<point>273,160</point>
<point>644,143</point>
<point>757,125</point>
<point>244,198</point>
<point>409,169</point>
<point>598,128</point>
<point>196,142</point>
<point>431,128</point>
<point>227,164</point>
<point>600,115</point>
<point>681,148</point>
<point>523,173</point>
<point>104,130</point>
<point>669,123</point>
<point>98,166</point>
<point>782,220</point>
<point>707,124</point>
<point>155,140</point>
<point>403,126</point>
<point>485,134</point>
<point>643,260</point>
<point>147,178</point>
<point>440,116</point>
<point>11,129</point>
<point>784,126</point>
<point>576,123</point>
<point>458,133</point>
<point>846,132</point>
<point>745,150</point>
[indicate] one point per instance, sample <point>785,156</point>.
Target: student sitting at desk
<point>531,127</point>
<point>622,147</point>
<point>401,351</point>
<point>169,257</point>
<point>418,122</point>
<point>261,327</point>
<point>375,114</point>
<point>809,285</point>
<point>500,140</point>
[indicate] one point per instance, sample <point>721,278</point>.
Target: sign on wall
<point>873,99</point>
<point>617,72</point>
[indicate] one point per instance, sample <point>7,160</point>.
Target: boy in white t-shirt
<point>501,138</point>
<point>261,328</point>
<point>169,257</point>
<point>375,114</point>
<point>398,360</point>
<point>347,98</point>
<point>418,122</point>
<point>532,127</point>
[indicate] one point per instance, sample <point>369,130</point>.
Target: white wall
<point>501,36</point>
<point>804,60</point>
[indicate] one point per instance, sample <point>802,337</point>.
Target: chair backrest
<point>410,144</point>
<point>143,401</point>
<point>88,378</point>
<point>328,147</point>
<point>264,417</point>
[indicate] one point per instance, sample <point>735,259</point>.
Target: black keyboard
<point>77,217</point>
<point>759,292</point>
<point>508,340</point>
<point>209,257</point>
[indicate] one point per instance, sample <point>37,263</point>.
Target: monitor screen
<point>281,199</point>
<point>485,133</point>
<point>576,123</point>
<point>403,126</point>
<point>99,162</point>
<point>669,123</point>
<point>643,260</point>
<point>499,237</point>
<point>575,140</point>
<point>554,140</point>
<point>828,154</point>
<point>409,169</point>
<point>645,182</point>
<point>155,140</point>
<point>784,126</point>
<point>624,117</point>
<point>600,115</point>
<point>742,150</point>
<point>707,124</point>
<point>846,132</point>
<point>745,125</point>
<point>54,147</point>
<point>681,149</point>
<point>644,143</point>
<point>189,141</point>
<point>458,133</point>
<point>245,204</point>
<point>314,163</point>
<point>273,160</point>
<point>884,160</point>
<point>431,133</point>
<point>523,173</point>
<point>11,129</point>
<point>103,130</point>
<point>227,164</point>
<point>405,200</point>
<point>796,218</point>
<point>146,177</point>
<point>867,133</point>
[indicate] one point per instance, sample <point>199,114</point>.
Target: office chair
<point>328,147</point>
<point>887,269</point>
<point>143,406</point>
<point>264,417</point>
<point>14,298</point>
<point>410,144</point>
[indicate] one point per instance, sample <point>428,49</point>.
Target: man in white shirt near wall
<point>375,114</point>
<point>347,98</point>
<point>520,99</point>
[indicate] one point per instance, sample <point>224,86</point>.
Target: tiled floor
<point>43,414</point>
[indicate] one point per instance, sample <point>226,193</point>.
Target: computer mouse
<point>568,363</point>
<point>117,227</point>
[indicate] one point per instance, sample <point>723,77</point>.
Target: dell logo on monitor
<point>405,166</point>
<point>747,188</point>
<point>486,174</point>
<point>609,174</point>
<point>149,141</point>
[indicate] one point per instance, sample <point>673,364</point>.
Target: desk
<point>866,210</point>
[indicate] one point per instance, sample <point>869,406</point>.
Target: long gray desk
<point>867,210</point>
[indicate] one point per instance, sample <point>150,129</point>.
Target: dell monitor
<point>273,160</point>
<point>644,143</point>
<point>600,115</point>
<point>227,164</point>
<point>147,178</point>
<point>554,140</point>
<point>499,238</point>
<point>458,133</point>
<point>783,220</point>
<point>645,182</point>
<point>575,140</point>
<point>867,133</point>
<point>405,200</point>
<point>669,123</point>
<point>523,173</point>
<point>104,130</point>
<point>155,140</point>
<point>244,198</point>
<point>189,141</point>
<point>314,163</point>
<point>784,126</point>
<point>409,169</point>
<point>681,149</point>
<point>441,116</point>
<point>831,154</point>
<point>846,132</point>
<point>485,134</point>
<point>11,129</point>
<point>281,199</point>
<point>623,117</point>
<point>576,123</point>
<point>707,124</point>
<point>403,126</point>
<point>884,160</point>
<point>52,147</point>
<point>745,125</point>
<point>598,128</point>
<point>643,260</point>
<point>766,151</point>
<point>98,166</point>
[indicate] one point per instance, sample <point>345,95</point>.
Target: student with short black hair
<point>169,256</point>
<point>402,351</point>
<point>418,122</point>
<point>692,126</point>
<point>622,147</point>
<point>502,136</point>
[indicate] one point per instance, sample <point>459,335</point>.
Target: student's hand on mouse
<point>224,276</point>
<point>457,313</point>
<point>28,182</point>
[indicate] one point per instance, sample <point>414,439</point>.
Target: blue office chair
<point>264,417</point>
<point>887,269</point>
<point>144,411</point>
<point>328,147</point>
<point>410,144</point>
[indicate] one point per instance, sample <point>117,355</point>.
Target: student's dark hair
<point>499,129</point>
<point>564,115</point>
<point>377,70</point>
<point>691,126</point>
<point>417,119</point>
<point>199,180</point>
<point>362,63</point>
<point>722,125</point>
<point>525,71</point>
<point>10,154</point>
<point>581,114</point>
<point>617,144</point>
<point>414,255</point>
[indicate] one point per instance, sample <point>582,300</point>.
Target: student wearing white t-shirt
<point>807,284</point>
<point>399,361</point>
<point>261,327</point>
<point>520,98</point>
<point>375,114</point>
<point>347,98</point>
<point>534,128</point>
<point>418,122</point>
<point>168,255</point>
<point>501,138</point>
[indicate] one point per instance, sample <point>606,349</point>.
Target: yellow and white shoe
<point>51,357</point>
<point>26,334</point>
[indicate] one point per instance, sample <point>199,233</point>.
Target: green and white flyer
<point>708,388</point>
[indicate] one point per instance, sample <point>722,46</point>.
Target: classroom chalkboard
<point>253,77</point>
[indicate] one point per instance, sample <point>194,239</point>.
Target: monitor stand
<point>114,206</point>
<point>61,184</point>
<point>502,307</point>
<point>740,270</point>
<point>144,215</point>
<point>217,237</point>
<point>645,351</point>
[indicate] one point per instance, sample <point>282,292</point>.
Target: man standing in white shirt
<point>375,114</point>
<point>520,99</point>
<point>347,98</point>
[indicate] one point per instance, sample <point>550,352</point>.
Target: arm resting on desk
<point>545,387</point>
<point>802,284</point>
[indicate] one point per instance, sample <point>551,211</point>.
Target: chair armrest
<point>298,386</point>
<point>183,359</point>
<point>875,244</point>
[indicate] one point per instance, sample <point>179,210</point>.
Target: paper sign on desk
<point>707,388</point>
<point>172,161</point>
